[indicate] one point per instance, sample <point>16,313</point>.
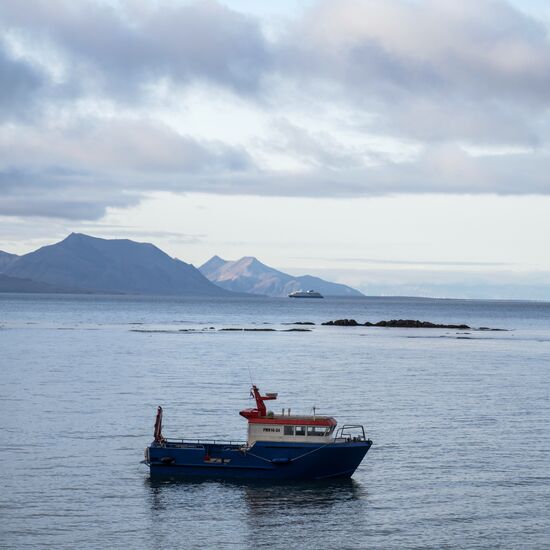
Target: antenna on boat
<point>250,374</point>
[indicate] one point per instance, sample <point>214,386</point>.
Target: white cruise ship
<point>305,294</point>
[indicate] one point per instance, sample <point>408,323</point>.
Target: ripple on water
<point>460,428</point>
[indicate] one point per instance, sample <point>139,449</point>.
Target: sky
<point>400,146</point>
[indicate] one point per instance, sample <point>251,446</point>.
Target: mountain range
<point>81,263</point>
<point>250,275</point>
<point>5,260</point>
<point>15,284</point>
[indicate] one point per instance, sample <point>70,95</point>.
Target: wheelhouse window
<point>317,431</point>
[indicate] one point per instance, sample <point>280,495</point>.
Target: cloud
<point>59,193</point>
<point>311,148</point>
<point>79,173</point>
<point>20,86</point>
<point>117,145</point>
<point>450,169</point>
<point>477,70</point>
<point>432,70</point>
<point>443,169</point>
<point>434,263</point>
<point>81,129</point>
<point>81,170</point>
<point>121,49</point>
<point>133,232</point>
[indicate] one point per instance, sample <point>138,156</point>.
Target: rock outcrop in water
<point>398,323</point>
<point>343,323</point>
<point>410,323</point>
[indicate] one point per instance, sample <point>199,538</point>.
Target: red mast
<point>260,409</point>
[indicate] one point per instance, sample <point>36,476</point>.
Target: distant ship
<point>305,294</point>
<point>279,447</point>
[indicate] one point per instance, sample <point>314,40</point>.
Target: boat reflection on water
<point>259,497</point>
<point>254,514</point>
<point>267,499</point>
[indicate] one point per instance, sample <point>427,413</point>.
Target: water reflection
<point>263,499</point>
<point>260,497</point>
<point>302,515</point>
<point>260,511</point>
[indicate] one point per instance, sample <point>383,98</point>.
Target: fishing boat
<point>279,447</point>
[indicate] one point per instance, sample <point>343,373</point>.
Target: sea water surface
<point>460,421</point>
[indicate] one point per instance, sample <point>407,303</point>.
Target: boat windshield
<point>315,431</point>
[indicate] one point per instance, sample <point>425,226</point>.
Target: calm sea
<point>460,422</point>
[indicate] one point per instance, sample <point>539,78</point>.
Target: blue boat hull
<point>264,460</point>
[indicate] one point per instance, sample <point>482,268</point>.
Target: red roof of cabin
<point>294,420</point>
<point>259,414</point>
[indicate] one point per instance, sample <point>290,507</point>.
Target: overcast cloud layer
<point>435,96</point>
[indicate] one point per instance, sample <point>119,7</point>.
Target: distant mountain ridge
<point>15,284</point>
<point>5,260</point>
<point>81,263</point>
<point>250,275</point>
<point>89,263</point>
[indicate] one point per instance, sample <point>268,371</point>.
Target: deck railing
<point>350,432</point>
<point>202,442</point>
